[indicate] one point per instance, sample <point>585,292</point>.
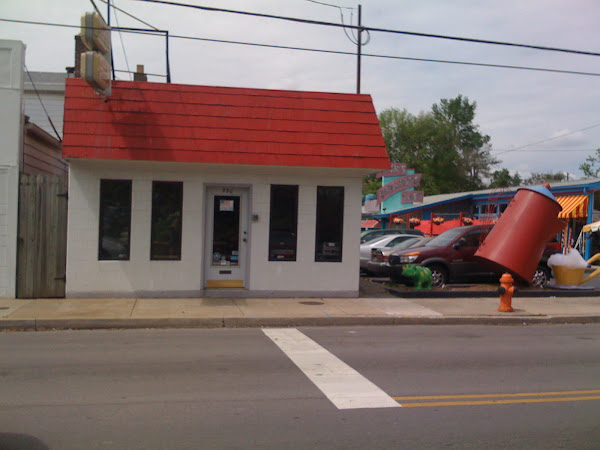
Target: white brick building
<point>195,191</point>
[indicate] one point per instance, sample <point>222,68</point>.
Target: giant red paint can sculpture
<point>518,239</point>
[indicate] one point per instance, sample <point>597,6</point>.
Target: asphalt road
<point>492,387</point>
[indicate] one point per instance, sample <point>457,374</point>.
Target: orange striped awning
<point>573,206</point>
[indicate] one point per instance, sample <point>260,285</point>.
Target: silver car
<point>385,241</point>
<point>369,235</point>
<point>378,265</point>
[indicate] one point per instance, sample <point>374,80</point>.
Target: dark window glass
<point>472,239</point>
<point>167,206</point>
<point>115,219</point>
<point>283,223</point>
<point>330,223</point>
<point>226,230</point>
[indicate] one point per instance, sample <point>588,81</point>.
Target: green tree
<point>591,166</point>
<point>545,177</point>
<point>503,178</point>
<point>444,145</point>
<point>423,144</point>
<point>473,147</point>
<point>371,184</point>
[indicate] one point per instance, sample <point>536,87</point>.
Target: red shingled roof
<point>221,125</point>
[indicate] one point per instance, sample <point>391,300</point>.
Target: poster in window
<point>225,205</point>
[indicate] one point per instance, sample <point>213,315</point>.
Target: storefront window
<point>167,205</point>
<point>283,223</point>
<point>330,223</point>
<point>115,219</point>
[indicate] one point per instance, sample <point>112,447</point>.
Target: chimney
<point>79,49</point>
<point>139,75</point>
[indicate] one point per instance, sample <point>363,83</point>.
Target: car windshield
<point>374,239</point>
<point>445,238</point>
<point>397,241</point>
<point>369,237</point>
<point>406,243</point>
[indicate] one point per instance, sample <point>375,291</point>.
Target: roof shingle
<point>222,125</point>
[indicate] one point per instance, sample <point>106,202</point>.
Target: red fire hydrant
<point>506,291</point>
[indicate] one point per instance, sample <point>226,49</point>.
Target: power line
<point>130,15</point>
<point>336,52</point>
<point>351,38</point>
<point>382,30</point>
<point>42,103</point>
<point>552,150</point>
<point>549,139</point>
<point>122,43</point>
<point>314,50</point>
<point>328,4</point>
<point>372,55</point>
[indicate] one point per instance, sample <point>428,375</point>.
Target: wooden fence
<point>41,259</point>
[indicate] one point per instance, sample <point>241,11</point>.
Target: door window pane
<point>167,206</point>
<point>226,231</point>
<point>330,223</point>
<point>115,219</point>
<point>283,223</point>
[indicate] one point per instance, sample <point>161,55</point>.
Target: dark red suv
<point>450,257</point>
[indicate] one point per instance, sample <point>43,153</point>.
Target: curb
<point>282,322</point>
<point>529,293</point>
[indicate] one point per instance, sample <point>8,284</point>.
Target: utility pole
<point>167,50</point>
<point>358,49</point>
<point>112,61</point>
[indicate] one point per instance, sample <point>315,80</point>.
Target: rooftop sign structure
<point>398,169</point>
<point>405,181</point>
<point>95,63</point>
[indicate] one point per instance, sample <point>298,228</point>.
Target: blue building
<point>575,197</point>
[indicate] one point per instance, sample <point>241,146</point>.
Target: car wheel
<point>541,277</point>
<point>439,275</point>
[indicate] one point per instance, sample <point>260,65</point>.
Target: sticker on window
<point>225,205</point>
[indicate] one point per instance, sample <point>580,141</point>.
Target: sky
<point>538,121</point>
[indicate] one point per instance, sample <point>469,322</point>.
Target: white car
<point>385,241</point>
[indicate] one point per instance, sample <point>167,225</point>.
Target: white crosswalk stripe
<point>343,386</point>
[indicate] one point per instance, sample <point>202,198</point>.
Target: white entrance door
<point>226,237</point>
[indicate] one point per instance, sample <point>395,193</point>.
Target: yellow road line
<point>521,394</point>
<point>501,402</point>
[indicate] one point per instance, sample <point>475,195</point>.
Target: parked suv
<point>450,257</point>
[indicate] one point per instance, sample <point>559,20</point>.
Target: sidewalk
<point>379,307</point>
